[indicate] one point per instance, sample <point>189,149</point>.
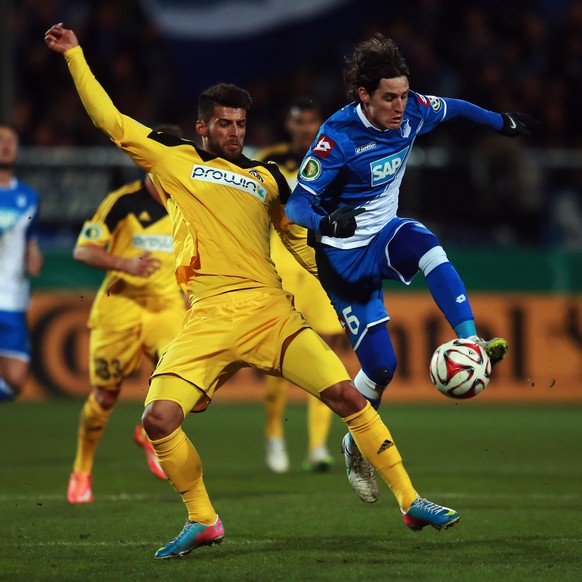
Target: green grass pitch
<point>513,472</point>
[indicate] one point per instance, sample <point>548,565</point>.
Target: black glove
<point>341,222</point>
<point>515,124</point>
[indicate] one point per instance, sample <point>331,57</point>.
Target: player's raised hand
<point>60,39</point>
<point>341,223</point>
<point>515,124</point>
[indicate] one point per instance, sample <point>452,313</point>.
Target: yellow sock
<point>275,399</point>
<point>92,423</point>
<point>377,446</point>
<point>318,422</point>
<point>181,463</point>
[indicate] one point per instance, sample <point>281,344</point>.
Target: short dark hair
<point>373,60</point>
<point>225,95</point>
<point>303,104</point>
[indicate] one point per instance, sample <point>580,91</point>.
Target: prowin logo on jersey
<point>153,242</point>
<point>384,170</point>
<point>227,178</point>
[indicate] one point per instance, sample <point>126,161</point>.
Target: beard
<point>6,166</point>
<point>220,150</point>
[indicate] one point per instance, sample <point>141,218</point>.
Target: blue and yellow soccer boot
<point>423,512</point>
<point>192,536</point>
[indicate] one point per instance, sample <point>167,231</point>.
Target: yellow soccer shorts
<point>310,297</point>
<point>241,329</point>
<point>114,354</point>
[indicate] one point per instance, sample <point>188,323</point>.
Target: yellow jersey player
<point>138,310</point>
<point>222,206</point>
<point>302,124</point>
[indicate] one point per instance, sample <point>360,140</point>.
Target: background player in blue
<point>354,168</point>
<point>19,258</point>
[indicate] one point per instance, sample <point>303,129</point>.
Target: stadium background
<point>508,211</point>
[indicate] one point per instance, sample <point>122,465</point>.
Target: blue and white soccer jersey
<point>18,218</point>
<point>351,162</point>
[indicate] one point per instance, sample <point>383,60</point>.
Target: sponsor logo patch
<point>423,100</point>
<point>324,146</point>
<point>256,175</point>
<point>92,232</point>
<point>436,103</point>
<point>153,242</point>
<point>366,148</point>
<point>384,170</point>
<point>228,178</point>
<point>310,169</point>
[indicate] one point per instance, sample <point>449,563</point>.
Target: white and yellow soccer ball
<point>460,369</point>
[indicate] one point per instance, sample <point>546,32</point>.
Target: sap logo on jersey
<point>385,169</point>
<point>153,242</point>
<point>324,146</point>
<point>226,178</point>
<point>8,219</point>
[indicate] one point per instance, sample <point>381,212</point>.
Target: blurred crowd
<point>523,55</point>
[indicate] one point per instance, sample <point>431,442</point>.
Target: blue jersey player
<point>354,168</point>
<point>19,258</point>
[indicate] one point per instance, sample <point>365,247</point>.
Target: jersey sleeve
<point>293,237</point>
<point>128,134</point>
<point>432,110</point>
<point>99,229</point>
<point>322,163</point>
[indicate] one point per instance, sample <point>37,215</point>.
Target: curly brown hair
<point>373,60</point>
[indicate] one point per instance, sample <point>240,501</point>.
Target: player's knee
<point>383,376</point>
<point>161,418</point>
<point>343,399</point>
<point>107,399</point>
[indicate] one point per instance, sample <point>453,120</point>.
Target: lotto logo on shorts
<point>324,146</point>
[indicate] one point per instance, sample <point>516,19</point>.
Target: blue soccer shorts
<point>14,335</point>
<point>353,278</point>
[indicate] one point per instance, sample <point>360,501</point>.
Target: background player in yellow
<point>302,122</point>
<point>138,310</point>
<point>222,204</point>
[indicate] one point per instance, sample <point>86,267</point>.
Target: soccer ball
<point>460,369</point>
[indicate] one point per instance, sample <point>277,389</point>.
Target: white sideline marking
<point>40,497</point>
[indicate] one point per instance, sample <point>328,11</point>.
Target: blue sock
<point>450,294</point>
<point>466,329</point>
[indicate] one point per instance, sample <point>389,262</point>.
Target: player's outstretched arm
<point>124,131</point>
<point>60,39</point>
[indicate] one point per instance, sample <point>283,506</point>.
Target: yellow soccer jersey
<point>128,222</point>
<point>225,208</point>
<point>310,297</point>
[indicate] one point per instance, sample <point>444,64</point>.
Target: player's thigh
<point>202,353</point>
<point>113,355</point>
<point>262,322</point>
<point>311,364</point>
<point>160,329</point>
<point>312,300</point>
<point>402,248</point>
